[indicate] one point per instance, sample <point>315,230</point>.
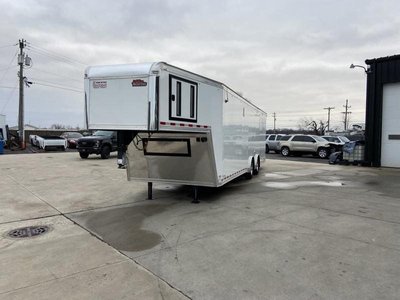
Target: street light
<point>352,66</point>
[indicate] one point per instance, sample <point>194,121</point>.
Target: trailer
<point>48,142</point>
<point>176,126</point>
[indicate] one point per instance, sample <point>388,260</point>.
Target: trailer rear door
<point>118,103</point>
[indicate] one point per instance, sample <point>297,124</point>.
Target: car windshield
<point>103,133</point>
<point>344,139</point>
<point>74,135</point>
<point>318,138</point>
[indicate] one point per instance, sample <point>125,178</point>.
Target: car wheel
<point>83,155</point>
<point>285,151</point>
<point>322,153</point>
<point>105,152</point>
<point>266,149</point>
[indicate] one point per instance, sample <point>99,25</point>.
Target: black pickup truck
<point>101,142</point>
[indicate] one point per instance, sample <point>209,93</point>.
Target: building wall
<point>381,71</point>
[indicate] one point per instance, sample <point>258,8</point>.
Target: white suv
<point>301,143</point>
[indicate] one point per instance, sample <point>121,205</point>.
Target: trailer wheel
<point>257,167</point>
<point>105,152</point>
<point>249,175</point>
<point>83,155</point>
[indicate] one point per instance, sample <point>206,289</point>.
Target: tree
<point>316,127</point>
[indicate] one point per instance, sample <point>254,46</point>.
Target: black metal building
<point>381,71</point>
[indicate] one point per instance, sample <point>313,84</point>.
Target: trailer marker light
<point>163,123</point>
<point>181,124</point>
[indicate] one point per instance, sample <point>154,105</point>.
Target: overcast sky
<point>288,57</point>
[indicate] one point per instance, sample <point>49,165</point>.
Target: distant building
<point>27,127</point>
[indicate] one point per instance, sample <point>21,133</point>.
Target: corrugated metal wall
<point>382,71</point>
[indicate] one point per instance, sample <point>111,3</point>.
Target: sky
<point>290,57</point>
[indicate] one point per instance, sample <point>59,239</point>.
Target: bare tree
<point>310,125</point>
<point>57,126</point>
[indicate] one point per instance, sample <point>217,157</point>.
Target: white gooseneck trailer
<point>177,126</point>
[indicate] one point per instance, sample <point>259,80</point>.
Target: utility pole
<point>346,113</point>
<point>21,62</point>
<point>274,122</point>
<point>329,115</point>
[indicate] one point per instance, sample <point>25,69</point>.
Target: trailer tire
<point>83,155</point>
<point>249,175</point>
<point>105,152</point>
<point>257,166</point>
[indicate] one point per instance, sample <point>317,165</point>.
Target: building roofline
<point>382,59</point>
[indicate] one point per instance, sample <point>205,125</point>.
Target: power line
<point>9,66</point>
<point>54,55</point>
<point>58,75</point>
<point>50,82</point>
<point>58,87</point>
<point>6,87</point>
<point>54,58</point>
<point>6,46</point>
<point>9,98</point>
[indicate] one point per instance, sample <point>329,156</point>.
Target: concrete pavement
<point>296,231</point>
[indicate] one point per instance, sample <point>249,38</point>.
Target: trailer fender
<point>249,161</point>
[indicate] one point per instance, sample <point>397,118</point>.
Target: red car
<point>72,138</point>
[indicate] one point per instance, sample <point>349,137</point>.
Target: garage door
<point>390,151</point>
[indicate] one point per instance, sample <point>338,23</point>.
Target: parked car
<point>72,138</point>
<point>48,142</point>
<point>272,142</point>
<point>101,142</point>
<point>336,142</point>
<point>301,143</point>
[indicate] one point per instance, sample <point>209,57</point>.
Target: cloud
<point>289,57</point>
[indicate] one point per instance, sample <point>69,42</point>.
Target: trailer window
<point>183,95</point>
<point>192,104</point>
<point>178,98</point>
<point>166,147</point>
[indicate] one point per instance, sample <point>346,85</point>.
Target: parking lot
<point>298,230</point>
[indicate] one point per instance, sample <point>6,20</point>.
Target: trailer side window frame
<point>183,99</point>
<point>162,147</point>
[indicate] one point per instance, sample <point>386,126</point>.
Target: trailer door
<point>119,103</point>
<point>182,99</point>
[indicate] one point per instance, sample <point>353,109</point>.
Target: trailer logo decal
<point>138,82</point>
<point>99,84</point>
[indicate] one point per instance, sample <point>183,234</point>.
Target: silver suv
<point>301,143</point>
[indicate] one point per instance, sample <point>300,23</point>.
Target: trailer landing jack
<point>195,195</point>
<point>150,191</point>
